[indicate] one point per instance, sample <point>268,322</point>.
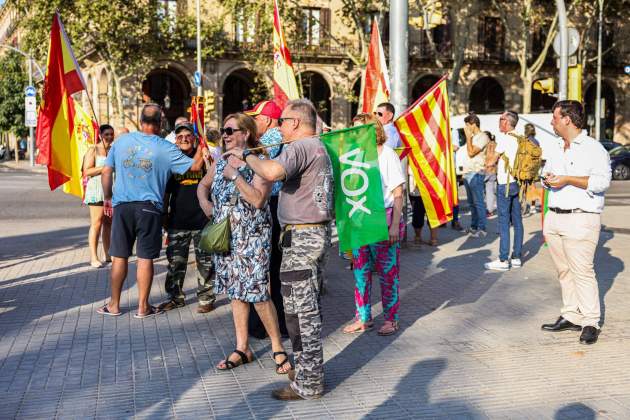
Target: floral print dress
<point>242,273</point>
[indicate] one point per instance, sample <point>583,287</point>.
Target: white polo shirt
<point>584,157</point>
<point>393,138</point>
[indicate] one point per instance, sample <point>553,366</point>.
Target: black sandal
<point>231,365</point>
<point>284,362</point>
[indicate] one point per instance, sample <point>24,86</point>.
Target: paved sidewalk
<point>470,344</point>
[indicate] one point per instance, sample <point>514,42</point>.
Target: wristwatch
<point>246,153</point>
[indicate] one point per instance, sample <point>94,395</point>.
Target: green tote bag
<point>215,237</point>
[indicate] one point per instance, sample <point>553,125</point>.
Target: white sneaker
<point>497,265</point>
<point>515,263</point>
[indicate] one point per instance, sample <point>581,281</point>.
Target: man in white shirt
<point>508,205</point>
<point>385,114</point>
<point>171,136</point>
<point>577,178</point>
<point>474,175</point>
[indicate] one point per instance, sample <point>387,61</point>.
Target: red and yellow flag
<point>425,128</point>
<point>84,136</point>
<point>375,80</point>
<point>284,84</point>
<point>197,120</point>
<point>55,122</point>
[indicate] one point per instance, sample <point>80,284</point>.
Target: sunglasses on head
<point>379,113</point>
<point>228,130</point>
<point>281,120</point>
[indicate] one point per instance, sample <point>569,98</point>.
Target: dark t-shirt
<point>184,211</point>
<point>307,192</point>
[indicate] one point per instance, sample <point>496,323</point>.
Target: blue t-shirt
<point>273,136</point>
<point>143,164</point>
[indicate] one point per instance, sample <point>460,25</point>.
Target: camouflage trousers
<point>177,255</point>
<point>304,256</point>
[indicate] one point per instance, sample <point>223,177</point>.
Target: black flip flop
<point>284,362</point>
<point>105,311</point>
<point>229,365</point>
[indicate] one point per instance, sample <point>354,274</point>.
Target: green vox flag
<point>359,206</point>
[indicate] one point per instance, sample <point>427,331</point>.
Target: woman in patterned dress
<point>243,272</point>
<point>100,225</point>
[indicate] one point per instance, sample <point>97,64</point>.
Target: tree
<point>13,80</point>
<point>522,20</point>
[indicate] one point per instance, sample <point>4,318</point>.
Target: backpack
<point>526,164</point>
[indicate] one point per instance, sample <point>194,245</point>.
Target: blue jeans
<point>475,188</point>
<point>509,208</point>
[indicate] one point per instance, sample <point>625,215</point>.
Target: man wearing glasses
<point>305,210</point>
<point>385,114</point>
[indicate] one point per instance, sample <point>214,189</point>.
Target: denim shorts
<point>137,221</point>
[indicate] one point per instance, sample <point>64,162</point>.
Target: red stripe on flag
<point>412,122</point>
<point>435,200</point>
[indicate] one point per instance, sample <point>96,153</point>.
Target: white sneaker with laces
<point>515,263</point>
<point>497,265</point>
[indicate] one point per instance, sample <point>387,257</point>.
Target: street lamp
<point>598,92</point>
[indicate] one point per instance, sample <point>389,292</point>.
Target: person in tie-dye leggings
<point>383,257</point>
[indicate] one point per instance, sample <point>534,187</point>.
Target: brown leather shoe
<point>171,304</point>
<point>286,394</point>
<point>204,309</point>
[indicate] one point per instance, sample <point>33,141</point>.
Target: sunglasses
<point>380,114</point>
<point>281,120</point>
<point>228,130</point>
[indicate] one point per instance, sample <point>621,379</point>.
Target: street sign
<point>574,41</point>
<point>30,111</point>
<point>30,91</point>
<point>197,79</point>
<point>627,69</point>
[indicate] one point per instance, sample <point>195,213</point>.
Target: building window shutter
<point>324,16</point>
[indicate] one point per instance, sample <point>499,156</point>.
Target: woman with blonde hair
<point>383,256</point>
<point>243,272</point>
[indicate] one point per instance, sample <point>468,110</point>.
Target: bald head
<point>151,119</point>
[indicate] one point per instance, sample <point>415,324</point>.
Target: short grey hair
<point>512,118</point>
<point>307,111</point>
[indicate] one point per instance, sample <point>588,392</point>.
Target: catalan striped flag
<point>375,80</point>
<point>425,128</point>
<point>55,122</point>
<point>284,84</point>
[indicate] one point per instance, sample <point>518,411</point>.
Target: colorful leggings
<point>384,258</point>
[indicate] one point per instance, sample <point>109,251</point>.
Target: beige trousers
<point>572,239</point>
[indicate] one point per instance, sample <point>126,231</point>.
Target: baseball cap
<point>182,126</point>
<point>267,108</point>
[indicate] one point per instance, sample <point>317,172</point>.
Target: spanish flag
<point>425,128</point>
<point>284,85</point>
<point>55,122</point>
<point>375,80</point>
<point>84,136</point>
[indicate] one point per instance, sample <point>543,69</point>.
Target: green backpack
<point>526,165</point>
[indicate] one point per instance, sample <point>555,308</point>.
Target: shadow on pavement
<point>37,245</point>
<point>607,269</point>
<point>575,411</point>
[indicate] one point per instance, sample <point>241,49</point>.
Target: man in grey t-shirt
<point>305,209</point>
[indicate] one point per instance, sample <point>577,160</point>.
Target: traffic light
<point>432,16</point>
<point>546,86</point>
<point>210,101</point>
<point>574,88</point>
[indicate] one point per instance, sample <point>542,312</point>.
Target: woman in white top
<point>384,256</point>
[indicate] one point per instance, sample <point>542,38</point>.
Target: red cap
<point>267,108</point>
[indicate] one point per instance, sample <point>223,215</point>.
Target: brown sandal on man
<point>388,328</point>
<point>229,365</point>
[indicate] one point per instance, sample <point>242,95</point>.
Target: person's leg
<point>106,232</point>
<point>363,283</point>
<point>274,266</point>
<point>416,220</point>
<point>553,231</point>
<point>477,188</point>
<point>96,218</point>
<point>267,313</point>
<point>491,192</point>
<point>144,279</point>
<point>148,220</point>
<point>118,276</point>
<point>240,313</point>
<point>580,242</point>
<point>503,207</point>
<point>517,221</point>
<point>474,217</point>
<point>205,273</point>
<point>177,256</point>
<point>387,268</point>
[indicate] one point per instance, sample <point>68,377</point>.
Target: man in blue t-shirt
<point>143,163</point>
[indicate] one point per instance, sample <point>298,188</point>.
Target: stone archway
<point>239,91</point>
<point>486,96</point>
<point>354,106</point>
<point>422,85</point>
<point>541,102</point>
<point>169,88</point>
<point>607,125</point>
<point>316,88</point>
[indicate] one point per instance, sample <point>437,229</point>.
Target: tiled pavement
<point>469,346</point>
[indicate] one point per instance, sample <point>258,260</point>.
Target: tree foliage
<point>13,80</point>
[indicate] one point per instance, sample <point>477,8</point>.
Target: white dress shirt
<point>584,157</point>
<point>506,145</point>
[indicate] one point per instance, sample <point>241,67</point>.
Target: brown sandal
<point>357,327</point>
<point>388,328</point>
